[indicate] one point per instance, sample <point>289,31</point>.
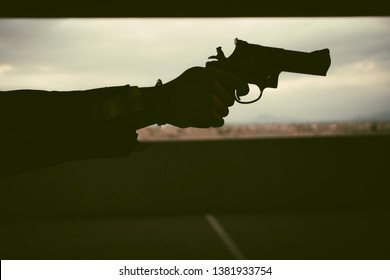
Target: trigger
<point>238,99</point>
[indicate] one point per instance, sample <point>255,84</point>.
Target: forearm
<point>42,128</point>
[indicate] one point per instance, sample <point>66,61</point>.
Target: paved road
<point>281,235</point>
<point>304,198</point>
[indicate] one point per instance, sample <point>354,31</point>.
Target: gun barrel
<point>278,59</point>
<point>314,63</point>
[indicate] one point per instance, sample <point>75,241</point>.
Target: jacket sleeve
<point>44,128</point>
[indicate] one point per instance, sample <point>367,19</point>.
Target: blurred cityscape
<point>167,132</point>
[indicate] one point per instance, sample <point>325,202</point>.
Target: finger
<point>202,125</point>
<point>216,119</point>
<point>218,106</point>
<point>231,81</point>
<point>224,96</point>
<point>208,118</point>
<point>243,90</point>
<point>201,119</point>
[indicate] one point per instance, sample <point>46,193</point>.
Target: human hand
<point>200,97</point>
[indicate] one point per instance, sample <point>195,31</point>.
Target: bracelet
<point>163,118</point>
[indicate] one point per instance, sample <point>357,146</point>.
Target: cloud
<point>66,54</point>
<point>4,69</point>
<point>364,73</point>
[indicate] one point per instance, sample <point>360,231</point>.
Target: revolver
<point>262,65</point>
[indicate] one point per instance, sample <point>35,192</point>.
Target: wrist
<point>162,106</point>
<point>156,102</point>
<point>154,111</point>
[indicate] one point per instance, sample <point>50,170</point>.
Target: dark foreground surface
<point>287,198</point>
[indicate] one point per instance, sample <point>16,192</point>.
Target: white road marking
<point>221,232</point>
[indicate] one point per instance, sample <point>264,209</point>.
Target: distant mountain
<point>381,116</point>
<point>266,118</point>
<point>271,119</point>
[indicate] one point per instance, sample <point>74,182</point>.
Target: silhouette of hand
<point>200,97</point>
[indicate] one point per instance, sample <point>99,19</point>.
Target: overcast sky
<point>68,54</point>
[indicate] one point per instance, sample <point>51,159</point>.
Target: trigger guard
<point>248,102</point>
